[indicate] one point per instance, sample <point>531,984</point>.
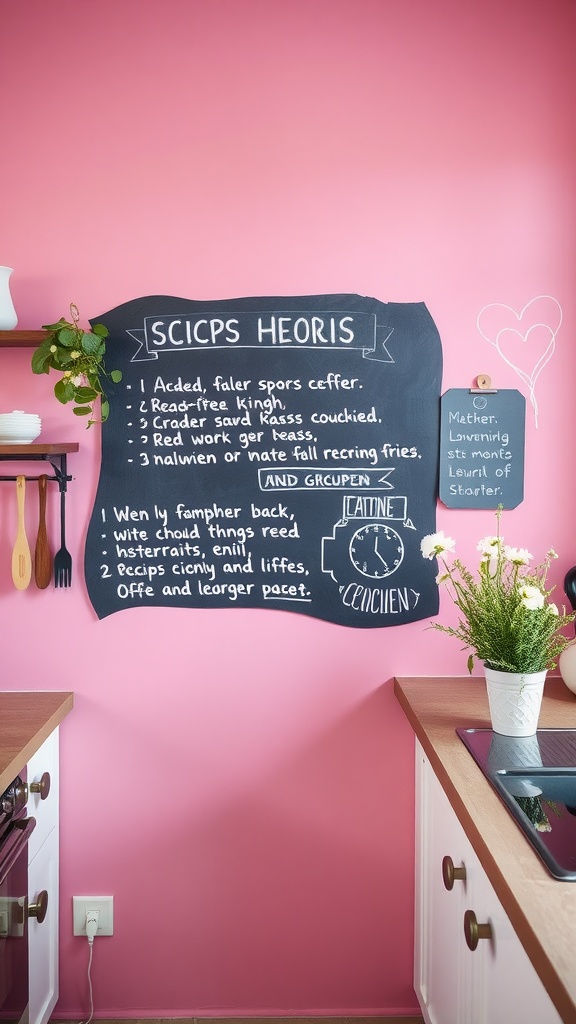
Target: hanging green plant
<point>79,356</point>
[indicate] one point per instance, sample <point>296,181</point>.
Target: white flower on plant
<point>505,617</point>
<point>435,544</point>
<point>75,355</point>
<point>490,546</point>
<point>532,598</point>
<point>518,556</point>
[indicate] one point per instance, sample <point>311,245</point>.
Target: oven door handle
<point>14,843</point>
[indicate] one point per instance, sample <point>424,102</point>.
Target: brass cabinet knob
<point>450,873</point>
<point>42,787</point>
<point>38,909</point>
<point>473,931</point>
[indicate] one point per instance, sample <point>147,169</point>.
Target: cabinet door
<point>43,936</point>
<point>493,984</point>
<point>41,806</point>
<point>43,875</point>
<point>505,987</point>
<point>441,967</point>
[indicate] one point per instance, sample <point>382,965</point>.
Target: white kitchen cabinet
<point>43,877</point>
<point>493,984</point>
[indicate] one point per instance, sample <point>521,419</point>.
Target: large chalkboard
<point>482,448</point>
<point>269,452</point>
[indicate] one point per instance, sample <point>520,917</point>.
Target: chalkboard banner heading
<point>181,333</point>
<point>272,452</point>
<point>482,449</point>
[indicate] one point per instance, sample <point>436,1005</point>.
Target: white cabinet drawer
<point>45,760</point>
<point>43,934</point>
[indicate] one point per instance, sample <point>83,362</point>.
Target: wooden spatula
<point>21,559</point>
<point>42,556</point>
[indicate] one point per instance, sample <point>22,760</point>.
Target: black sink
<point>535,776</point>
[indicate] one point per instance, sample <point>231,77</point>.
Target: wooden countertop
<point>26,719</point>
<point>541,909</point>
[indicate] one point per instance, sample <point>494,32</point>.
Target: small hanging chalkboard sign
<point>482,448</point>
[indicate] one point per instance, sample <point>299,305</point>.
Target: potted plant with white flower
<point>507,621</point>
<point>79,356</point>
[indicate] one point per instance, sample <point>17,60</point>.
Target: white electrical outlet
<point>105,907</point>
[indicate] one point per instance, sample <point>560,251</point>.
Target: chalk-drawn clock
<point>376,550</point>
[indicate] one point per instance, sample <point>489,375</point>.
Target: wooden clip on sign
<point>483,386</point>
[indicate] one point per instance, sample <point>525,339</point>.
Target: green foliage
<point>505,614</point>
<point>79,356</point>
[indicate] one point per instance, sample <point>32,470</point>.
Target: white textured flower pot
<point>523,752</point>
<point>515,699</point>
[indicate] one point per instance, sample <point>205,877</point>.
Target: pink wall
<point>241,780</point>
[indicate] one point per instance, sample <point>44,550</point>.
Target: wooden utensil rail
<point>55,454</point>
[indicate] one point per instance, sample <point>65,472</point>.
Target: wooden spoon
<point>42,557</point>
<point>21,559</point>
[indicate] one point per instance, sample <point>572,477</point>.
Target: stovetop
<point>535,776</point>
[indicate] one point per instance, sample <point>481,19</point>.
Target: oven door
<point>14,922</point>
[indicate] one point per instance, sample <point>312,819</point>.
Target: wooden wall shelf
<point>21,339</point>
<point>38,450</point>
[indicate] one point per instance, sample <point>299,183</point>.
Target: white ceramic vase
<point>8,318</point>
<point>515,699</point>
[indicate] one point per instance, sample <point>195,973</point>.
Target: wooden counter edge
<point>33,715</point>
<point>536,951</point>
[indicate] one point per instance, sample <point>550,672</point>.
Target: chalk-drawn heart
<point>525,340</point>
<point>542,310</point>
<point>528,351</point>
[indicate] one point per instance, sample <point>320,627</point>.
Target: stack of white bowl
<point>19,427</point>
